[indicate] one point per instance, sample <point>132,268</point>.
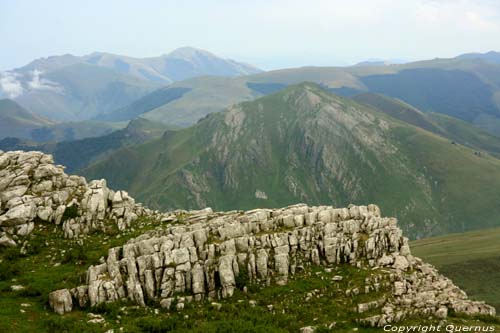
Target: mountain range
<point>466,87</point>
<point>77,154</point>
<point>306,144</point>
<point>69,88</point>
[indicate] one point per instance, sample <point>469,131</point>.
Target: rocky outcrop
<point>60,301</point>
<point>33,189</point>
<point>203,254</point>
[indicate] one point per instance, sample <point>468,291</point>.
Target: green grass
<point>471,260</point>
<point>310,297</point>
<point>51,263</point>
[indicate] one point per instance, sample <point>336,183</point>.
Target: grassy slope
<point>472,260</point>
<point>54,262</point>
<point>15,121</point>
<point>339,153</point>
<point>77,154</point>
<point>455,129</point>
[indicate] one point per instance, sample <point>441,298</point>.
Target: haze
<point>269,34</point>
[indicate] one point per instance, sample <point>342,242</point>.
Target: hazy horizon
<point>268,34</point>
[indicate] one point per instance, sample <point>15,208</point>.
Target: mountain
<point>180,64</point>
<point>151,101</point>
<point>468,89</point>
<point>16,121</point>
<point>74,130</point>
<point>77,154</point>
<point>455,129</point>
<point>72,88</point>
<point>380,62</point>
<point>491,56</point>
<point>79,91</point>
<point>188,62</point>
<point>305,144</point>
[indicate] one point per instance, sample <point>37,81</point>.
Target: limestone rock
<point>60,301</point>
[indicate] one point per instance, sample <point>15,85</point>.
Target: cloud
<point>10,85</point>
<point>39,83</point>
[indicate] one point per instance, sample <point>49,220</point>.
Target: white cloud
<point>39,83</point>
<point>10,85</point>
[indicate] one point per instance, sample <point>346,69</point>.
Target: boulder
<point>60,301</point>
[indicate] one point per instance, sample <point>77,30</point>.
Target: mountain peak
<point>189,52</point>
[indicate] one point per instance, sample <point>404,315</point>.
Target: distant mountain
<point>78,91</point>
<point>74,130</point>
<point>188,62</point>
<point>455,129</point>
<point>16,121</point>
<point>78,154</point>
<point>380,62</point>
<point>182,63</point>
<point>304,144</point>
<point>491,56</point>
<point>468,89</point>
<point>71,88</point>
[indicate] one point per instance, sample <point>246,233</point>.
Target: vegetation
<point>310,297</point>
<point>77,154</point>
<point>16,121</point>
<point>294,150</point>
<point>471,260</point>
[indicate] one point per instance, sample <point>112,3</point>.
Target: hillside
<point>463,88</point>
<point>15,121</point>
<point>455,129</point>
<point>81,91</point>
<point>77,154</point>
<point>304,144</point>
<point>74,130</point>
<point>77,256</point>
<point>471,259</point>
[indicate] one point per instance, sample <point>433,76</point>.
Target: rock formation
<point>33,189</point>
<point>203,254</point>
<point>199,255</point>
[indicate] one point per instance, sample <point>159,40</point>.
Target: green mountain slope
<point>464,88</point>
<point>471,260</point>
<point>15,121</point>
<point>305,144</point>
<point>74,130</point>
<point>455,129</point>
<point>77,154</point>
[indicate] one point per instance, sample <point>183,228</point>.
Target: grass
<point>52,263</point>
<point>471,260</point>
<point>310,298</point>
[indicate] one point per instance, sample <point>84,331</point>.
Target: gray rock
<point>60,301</point>
<point>7,242</point>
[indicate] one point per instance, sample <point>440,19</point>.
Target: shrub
<point>70,213</point>
<point>242,279</point>
<point>8,270</point>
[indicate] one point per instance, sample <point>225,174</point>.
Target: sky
<point>270,34</point>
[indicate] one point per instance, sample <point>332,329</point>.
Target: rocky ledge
<point>201,255</point>
<point>33,189</point>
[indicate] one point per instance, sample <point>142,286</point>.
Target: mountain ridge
<point>305,144</point>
